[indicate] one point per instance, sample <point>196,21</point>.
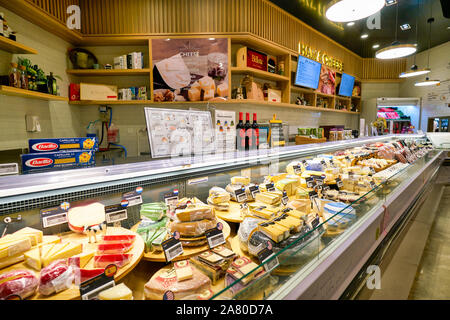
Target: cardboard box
<point>273,95</point>
<point>60,144</point>
<point>74,92</point>
<point>91,91</point>
<point>56,160</point>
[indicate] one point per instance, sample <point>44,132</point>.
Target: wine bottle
<point>255,136</point>
<point>248,132</point>
<point>240,133</point>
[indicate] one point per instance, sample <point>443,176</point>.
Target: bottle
<point>14,76</point>
<point>113,134</point>
<point>248,132</point>
<point>23,78</point>
<point>255,129</point>
<point>240,133</point>
<point>51,84</point>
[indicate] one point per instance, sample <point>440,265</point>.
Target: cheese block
<point>46,248</point>
<point>166,280</point>
<point>10,238</point>
<point>223,251</point>
<point>183,270</point>
<point>85,216</point>
<point>120,260</point>
<point>293,223</point>
<point>82,275</point>
<point>28,230</point>
<point>194,228</point>
<point>303,205</point>
<point>244,267</point>
<point>291,168</point>
<point>118,292</point>
<point>208,94</point>
<point>207,83</point>
<point>287,185</point>
<point>263,211</point>
<point>14,247</point>
<point>295,213</point>
<point>275,178</point>
<point>114,247</point>
<point>210,257</point>
<point>240,180</point>
<point>271,231</point>
<point>55,249</point>
<point>33,259</point>
<point>301,193</point>
<point>194,212</point>
<point>119,237</point>
<point>6,262</point>
<point>268,197</point>
<point>80,260</point>
<point>49,240</point>
<point>222,206</point>
<point>218,195</point>
<point>68,251</point>
<point>194,94</point>
<point>232,188</point>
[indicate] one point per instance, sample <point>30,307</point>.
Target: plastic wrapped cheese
<point>22,283</point>
<point>56,277</point>
<point>194,212</point>
<point>194,228</point>
<point>218,195</point>
<point>120,260</point>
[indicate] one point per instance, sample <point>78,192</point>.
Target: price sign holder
<point>90,289</point>
<point>297,169</point>
<point>172,247</point>
<point>372,170</point>
<point>310,182</point>
<point>240,194</point>
<point>339,183</point>
<point>254,190</point>
<point>215,236</point>
<point>270,187</point>
<point>134,198</point>
<point>54,216</point>
<point>312,197</point>
<point>265,255</point>
<point>116,213</point>
<point>285,198</point>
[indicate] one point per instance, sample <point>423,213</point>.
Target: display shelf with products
<point>12,91</point>
<point>209,186</point>
<point>15,47</point>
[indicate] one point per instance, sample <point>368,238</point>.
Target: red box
<point>74,92</point>
<point>256,60</point>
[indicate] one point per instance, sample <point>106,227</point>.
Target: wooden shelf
<point>300,89</point>
<point>324,94</point>
<point>11,46</point>
<point>11,91</point>
<point>259,73</point>
<point>104,102</point>
<point>356,97</point>
<point>260,44</point>
<point>343,98</point>
<point>104,72</point>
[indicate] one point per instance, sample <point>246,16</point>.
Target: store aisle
<point>433,275</point>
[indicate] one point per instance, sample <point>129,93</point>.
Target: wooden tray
<point>188,251</point>
<point>73,293</point>
<point>307,140</point>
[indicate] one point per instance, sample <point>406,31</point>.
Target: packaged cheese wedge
<point>114,247</point>
<point>56,277</point>
<point>81,260</point>
<point>118,292</point>
<point>68,251</point>
<point>120,260</point>
<point>82,275</point>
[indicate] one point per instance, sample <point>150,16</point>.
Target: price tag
<point>54,216</point>
<point>134,197</point>
<point>339,183</point>
<point>297,169</point>
<point>324,163</point>
<point>372,184</point>
<point>171,198</point>
<point>267,254</point>
<point>254,190</point>
<point>372,170</point>
<point>270,187</point>
<point>9,168</point>
<point>312,195</point>
<point>316,221</point>
<point>326,188</point>
<point>240,194</point>
<point>90,289</point>
<point>285,198</point>
<point>215,236</point>
<point>172,247</point>
<point>318,180</point>
<point>310,182</point>
<point>116,212</point>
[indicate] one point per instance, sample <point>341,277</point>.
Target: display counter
<point>332,203</point>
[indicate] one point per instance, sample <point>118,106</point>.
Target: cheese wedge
<point>33,259</point>
<point>183,270</point>
<point>9,238</point>
<point>56,248</point>
<point>267,197</point>
<point>80,260</point>
<point>28,230</point>
<point>68,251</point>
<point>15,247</point>
<point>46,248</point>
<point>49,240</point>
<point>273,233</point>
<point>11,260</point>
<point>276,177</point>
<point>118,292</point>
<point>240,180</point>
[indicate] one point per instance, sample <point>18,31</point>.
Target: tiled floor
<point>433,277</point>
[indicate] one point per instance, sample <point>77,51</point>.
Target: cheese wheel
<point>85,216</point>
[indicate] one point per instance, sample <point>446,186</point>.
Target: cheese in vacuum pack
<point>267,197</point>
<point>56,277</point>
<point>218,195</point>
<point>14,247</point>
<point>18,282</point>
<point>194,213</point>
<point>6,262</point>
<point>193,228</point>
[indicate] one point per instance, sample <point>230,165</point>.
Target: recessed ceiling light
<point>427,83</point>
<point>352,23</point>
<point>364,36</point>
<point>390,2</point>
<point>167,39</point>
<point>352,10</point>
<point>405,26</point>
<point>395,51</point>
<point>376,46</point>
<point>211,39</point>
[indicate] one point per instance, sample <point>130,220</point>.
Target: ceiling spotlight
<point>351,23</point>
<point>376,46</point>
<point>395,51</point>
<point>390,2</point>
<point>415,71</point>
<point>364,36</point>
<point>352,10</point>
<point>405,26</point>
<point>427,83</point>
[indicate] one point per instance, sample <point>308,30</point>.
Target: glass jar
<point>23,78</point>
<point>333,135</point>
<point>14,76</point>
<point>340,134</point>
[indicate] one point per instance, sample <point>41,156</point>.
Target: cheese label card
<point>268,259</point>
<point>9,168</point>
<point>318,180</point>
<point>339,183</point>
<point>304,162</point>
<point>53,216</point>
<point>285,198</point>
<point>315,222</point>
<point>372,184</point>
<point>90,289</point>
<point>332,162</point>
<point>270,187</point>
<point>215,236</point>
<point>115,213</point>
<point>254,190</point>
<point>297,169</point>
<point>347,158</point>
<point>372,170</point>
<point>171,198</point>
<point>134,198</point>
<point>240,194</point>
<point>172,247</point>
<point>310,182</point>
<point>326,188</point>
<point>324,163</point>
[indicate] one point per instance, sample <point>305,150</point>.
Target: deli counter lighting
<point>352,10</point>
<point>427,83</point>
<point>395,51</point>
<point>414,72</point>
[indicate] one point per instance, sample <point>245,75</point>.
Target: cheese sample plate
<point>74,293</point>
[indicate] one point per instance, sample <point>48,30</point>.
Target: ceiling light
<point>376,46</point>
<point>395,51</point>
<point>427,83</point>
<point>352,23</point>
<point>211,39</point>
<point>364,36</point>
<point>414,72</point>
<point>352,10</point>
<point>390,2</point>
<point>405,26</point>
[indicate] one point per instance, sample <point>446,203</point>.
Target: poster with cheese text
<point>190,69</point>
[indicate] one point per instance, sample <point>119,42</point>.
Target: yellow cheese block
<point>11,260</point>
<point>276,177</point>
<point>15,247</point>
<point>9,238</point>
<point>84,257</point>
<point>295,213</point>
<point>28,230</point>
<point>56,248</point>
<point>288,185</point>
<point>69,251</point>
<point>118,292</point>
<point>46,248</point>
<point>33,259</point>
<point>273,233</point>
<point>240,180</point>
<point>183,270</point>
<point>49,240</point>
<point>263,211</point>
<point>267,197</point>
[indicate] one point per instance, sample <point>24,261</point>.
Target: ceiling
<point>312,12</point>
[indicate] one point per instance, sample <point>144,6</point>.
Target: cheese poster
<point>327,80</point>
<point>190,69</point>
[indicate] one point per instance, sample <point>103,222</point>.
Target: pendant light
<point>396,50</point>
<point>352,10</point>
<point>414,70</point>
<point>427,82</point>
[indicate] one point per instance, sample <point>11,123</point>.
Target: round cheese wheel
<point>86,216</point>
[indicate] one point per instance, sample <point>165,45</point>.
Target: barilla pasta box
<point>61,144</point>
<point>33,162</point>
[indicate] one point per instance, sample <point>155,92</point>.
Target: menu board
<point>308,72</point>
<point>190,69</point>
<point>225,129</point>
<point>346,86</point>
<point>174,133</point>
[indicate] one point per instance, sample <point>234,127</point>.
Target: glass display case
<point>342,200</point>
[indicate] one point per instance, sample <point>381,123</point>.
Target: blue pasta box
<point>46,161</point>
<point>62,144</point>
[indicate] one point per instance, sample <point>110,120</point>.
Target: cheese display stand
<point>262,224</point>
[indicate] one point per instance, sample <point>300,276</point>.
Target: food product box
<point>74,92</point>
<point>91,91</point>
<point>257,60</point>
<point>61,144</point>
<point>273,95</point>
<point>56,160</point>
